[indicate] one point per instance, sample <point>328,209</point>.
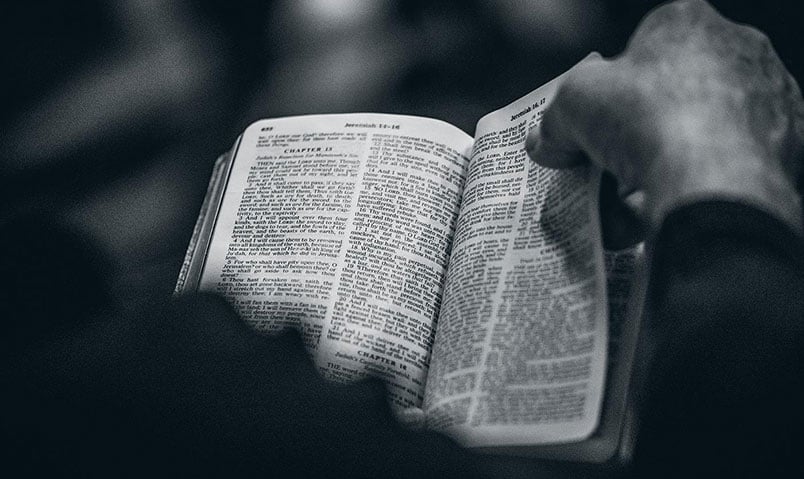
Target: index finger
<point>564,137</point>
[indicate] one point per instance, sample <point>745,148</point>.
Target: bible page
<point>340,226</point>
<point>520,353</point>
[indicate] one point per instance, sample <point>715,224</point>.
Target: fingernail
<point>532,143</point>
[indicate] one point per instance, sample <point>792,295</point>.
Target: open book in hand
<point>471,280</point>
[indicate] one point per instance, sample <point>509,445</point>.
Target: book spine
<point>184,282</point>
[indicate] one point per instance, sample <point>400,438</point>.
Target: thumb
<point>564,137</point>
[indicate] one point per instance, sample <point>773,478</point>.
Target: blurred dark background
<point>114,111</point>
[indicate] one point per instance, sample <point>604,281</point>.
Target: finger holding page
<point>562,138</point>
<point>697,107</point>
<point>576,128</point>
<point>552,144</point>
<point>592,119</point>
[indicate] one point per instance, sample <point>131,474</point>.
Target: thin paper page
<point>520,353</point>
<point>339,226</point>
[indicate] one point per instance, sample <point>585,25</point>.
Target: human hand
<point>697,107</point>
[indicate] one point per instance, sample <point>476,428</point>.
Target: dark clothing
<point>726,310</point>
<point>187,388</point>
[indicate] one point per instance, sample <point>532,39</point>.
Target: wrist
<point>755,183</point>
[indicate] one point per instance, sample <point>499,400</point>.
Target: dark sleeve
<point>725,305</point>
<point>181,388</point>
<point>187,389</point>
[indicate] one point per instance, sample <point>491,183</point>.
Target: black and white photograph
<point>402,238</point>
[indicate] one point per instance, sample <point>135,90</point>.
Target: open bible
<point>471,280</point>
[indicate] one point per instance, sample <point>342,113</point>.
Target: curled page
<point>520,353</point>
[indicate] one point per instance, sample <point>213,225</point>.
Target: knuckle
<point>662,15</point>
<point>681,9</point>
<point>696,7</point>
<point>686,11</point>
<point>756,36</point>
<point>666,21</point>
